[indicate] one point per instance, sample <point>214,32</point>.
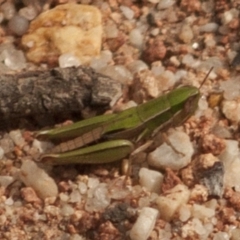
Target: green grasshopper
<point>113,134</point>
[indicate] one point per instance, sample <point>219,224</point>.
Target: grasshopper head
<point>184,102</point>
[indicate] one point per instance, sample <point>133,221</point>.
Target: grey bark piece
<point>41,94</point>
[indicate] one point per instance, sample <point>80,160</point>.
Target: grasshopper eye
<point>190,105</point>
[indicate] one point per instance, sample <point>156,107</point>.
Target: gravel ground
<point>187,185</point>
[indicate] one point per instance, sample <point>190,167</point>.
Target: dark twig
<point>56,93</point>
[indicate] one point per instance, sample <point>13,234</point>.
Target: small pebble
<point>224,30</point>
<point>163,4</point>
<point>174,61</point>
<point>144,225</point>
<point>9,201</point>
<point>93,182</point>
<point>221,236</point>
<point>28,12</point>
<point>185,212</point>
<point>102,61</point>
<point>174,158</point>
<point>127,12</point>
<point>18,25</point>
<point>231,161</point>
<point>228,16</point>
<point>67,210</point>
<point>155,50</point>
<point>99,200</point>
<point>202,212</point>
<point>6,180</point>
<point>190,61</point>
<point>82,187</point>
<point>186,33</point>
<point>52,210</point>
<point>68,60</point>
<point>150,179</point>
<point>1,17</point>
<point>198,226</point>
<point>153,1</point>
<point>118,72</point>
<point>14,59</point>
<point>37,178</point>
<point>180,74</point>
<point>63,197</point>
<point>76,236</point>
<point>214,62</point>
<point>8,9</point>
<point>111,30</point>
<point>231,109</point>
<point>231,88</point>
<point>209,27</point>
<point>29,195</point>
<point>75,197</point>
<point>208,6</point>
<point>17,138</point>
<point>137,66</point>
<point>157,69</point>
<point>169,203</point>
<point>1,153</point>
<point>155,32</point>
<point>235,234</point>
<point>136,38</point>
<point>6,144</point>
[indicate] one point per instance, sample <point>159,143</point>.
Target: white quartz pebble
<point>221,236</point>
<point>231,109</point>
<point>38,179</point>
<point>17,138</point>
<point>68,60</point>
<point>136,38</point>
<point>171,202</point>
<point>175,156</point>
<point>137,66</point>
<point>231,160</point>
<point>164,4</point>
<point>127,12</point>
<point>6,180</point>
<point>150,179</point>
<point>144,224</point>
<point>186,33</point>
<point>209,27</point>
<point>202,212</point>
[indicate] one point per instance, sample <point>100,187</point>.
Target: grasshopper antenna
<point>206,77</point>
